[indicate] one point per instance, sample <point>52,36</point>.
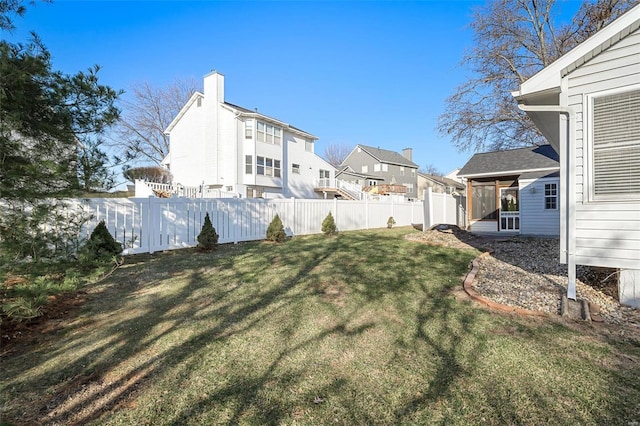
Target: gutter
<point>569,149</point>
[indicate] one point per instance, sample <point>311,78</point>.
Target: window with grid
<point>550,196</point>
<point>268,133</point>
<point>268,167</point>
<point>248,164</point>
<point>295,168</point>
<point>248,129</point>
<point>616,146</point>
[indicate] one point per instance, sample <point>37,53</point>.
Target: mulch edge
<point>467,285</point>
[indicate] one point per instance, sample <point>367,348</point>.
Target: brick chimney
<point>408,153</point>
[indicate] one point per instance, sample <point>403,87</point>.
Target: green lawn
<point>361,328</point>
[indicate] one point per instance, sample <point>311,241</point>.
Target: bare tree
<point>146,114</point>
<point>336,153</point>
<point>430,169</point>
<point>513,40</point>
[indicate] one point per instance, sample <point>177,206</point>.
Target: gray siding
<point>358,159</point>
<point>534,218</point>
<point>608,233</point>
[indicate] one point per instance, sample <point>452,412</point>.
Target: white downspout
<point>570,182</point>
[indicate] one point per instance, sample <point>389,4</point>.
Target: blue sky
<point>374,73</point>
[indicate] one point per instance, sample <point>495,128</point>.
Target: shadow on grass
<point>261,333</point>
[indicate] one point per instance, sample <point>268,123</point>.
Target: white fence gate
<point>147,225</point>
<point>440,208</point>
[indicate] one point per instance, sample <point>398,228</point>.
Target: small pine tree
<point>275,231</point>
<point>208,238</point>
<point>329,225</point>
<point>101,245</point>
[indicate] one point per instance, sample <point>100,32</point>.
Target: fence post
<point>366,212</point>
<point>236,223</point>
<point>428,209</point>
<point>444,208</point>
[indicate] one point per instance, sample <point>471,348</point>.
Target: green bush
<point>275,231</point>
<point>101,245</point>
<point>329,225</point>
<point>208,238</point>
<point>390,222</point>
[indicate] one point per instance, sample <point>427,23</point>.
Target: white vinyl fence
<point>440,208</point>
<point>147,225</point>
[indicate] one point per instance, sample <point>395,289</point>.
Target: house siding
<point>534,218</point>
<point>187,137</point>
<point>356,160</point>
<point>607,233</point>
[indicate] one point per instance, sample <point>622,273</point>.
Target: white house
<point>587,104</point>
<point>513,191</point>
<point>220,145</point>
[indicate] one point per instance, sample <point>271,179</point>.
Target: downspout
<point>570,149</point>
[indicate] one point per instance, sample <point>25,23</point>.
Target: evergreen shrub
<point>208,238</point>
<point>329,225</point>
<point>275,231</point>
<point>101,245</point>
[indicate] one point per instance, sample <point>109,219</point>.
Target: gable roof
<point>387,156</point>
<point>511,162</point>
<point>442,180</point>
<point>349,171</point>
<point>549,78</point>
<point>244,111</point>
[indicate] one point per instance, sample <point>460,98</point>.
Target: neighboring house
<point>438,184</point>
<point>514,191</point>
<point>587,104</point>
<point>219,145</point>
<point>382,167</point>
<point>453,174</point>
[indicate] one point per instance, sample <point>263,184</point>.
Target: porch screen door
<point>509,209</point>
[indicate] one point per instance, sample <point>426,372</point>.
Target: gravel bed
<point>526,273</point>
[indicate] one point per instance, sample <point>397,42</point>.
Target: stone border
<point>474,295</point>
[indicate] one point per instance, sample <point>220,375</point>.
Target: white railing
<point>350,188</point>
<point>509,221</point>
<point>145,189</point>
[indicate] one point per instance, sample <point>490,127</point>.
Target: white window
<point>308,146</point>
<point>260,165</point>
<point>413,172</point>
<point>248,164</point>
<point>373,182</point>
<point>295,168</point>
<point>376,167</point>
<point>248,129</point>
<point>550,196</point>
<point>401,171</point>
<point>269,134</point>
<point>268,167</point>
<point>229,188</point>
<point>385,167</point>
<point>616,146</point>
<point>409,188</point>
<point>324,174</point>
<point>365,169</point>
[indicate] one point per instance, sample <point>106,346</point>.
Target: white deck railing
<point>350,188</point>
<point>144,189</point>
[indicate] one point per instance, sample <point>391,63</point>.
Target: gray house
<point>439,184</point>
<point>393,172</point>
<point>514,191</point>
